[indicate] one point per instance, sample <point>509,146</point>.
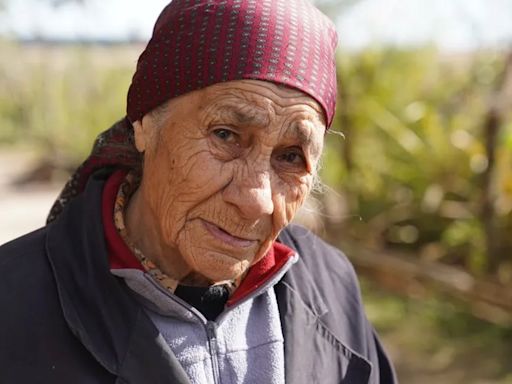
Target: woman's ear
<point>141,135</point>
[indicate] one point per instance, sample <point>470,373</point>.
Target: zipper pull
<point>211,329</point>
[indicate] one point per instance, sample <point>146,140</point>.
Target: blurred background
<point>417,172</point>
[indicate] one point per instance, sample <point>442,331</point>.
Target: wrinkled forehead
<point>277,112</point>
<point>254,102</point>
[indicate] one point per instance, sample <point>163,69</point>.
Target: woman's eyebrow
<point>243,115</point>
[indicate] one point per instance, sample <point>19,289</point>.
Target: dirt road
<point>22,208</point>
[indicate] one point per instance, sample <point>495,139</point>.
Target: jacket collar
<point>313,348</point>
<point>301,282</point>
<point>98,308</point>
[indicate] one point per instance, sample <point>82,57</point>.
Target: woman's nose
<point>251,194</point>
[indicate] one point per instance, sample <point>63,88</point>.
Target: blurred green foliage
<point>58,99</point>
<point>412,161</point>
<point>436,340</point>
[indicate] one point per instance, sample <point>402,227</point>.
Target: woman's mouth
<point>226,237</point>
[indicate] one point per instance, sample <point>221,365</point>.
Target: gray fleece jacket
<point>243,345</point>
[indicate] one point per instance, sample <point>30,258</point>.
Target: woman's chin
<point>217,267</point>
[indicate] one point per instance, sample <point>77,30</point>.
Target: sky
<point>450,24</point>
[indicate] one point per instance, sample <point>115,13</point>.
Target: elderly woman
<point>168,257</point>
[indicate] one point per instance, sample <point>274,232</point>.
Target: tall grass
<point>413,160</point>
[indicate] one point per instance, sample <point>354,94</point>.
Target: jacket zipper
<point>210,326</point>
<point>211,329</point>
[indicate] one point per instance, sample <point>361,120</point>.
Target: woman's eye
<point>224,134</point>
<point>291,157</point>
<point>295,158</point>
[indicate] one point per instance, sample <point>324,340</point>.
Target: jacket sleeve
<point>383,371</point>
<point>381,363</point>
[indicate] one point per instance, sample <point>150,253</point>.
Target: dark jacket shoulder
<point>37,344</point>
<point>67,319</point>
<point>328,270</point>
<point>327,285</point>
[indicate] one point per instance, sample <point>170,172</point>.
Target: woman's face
<point>226,171</point>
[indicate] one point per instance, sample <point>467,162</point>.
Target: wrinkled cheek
<point>166,212</point>
<point>281,218</point>
<point>171,222</point>
<point>292,208</point>
<point>185,245</point>
<point>287,206</point>
<point>302,194</point>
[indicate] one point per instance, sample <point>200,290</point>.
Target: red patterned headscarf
<point>197,43</point>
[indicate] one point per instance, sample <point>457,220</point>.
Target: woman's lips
<point>226,237</point>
